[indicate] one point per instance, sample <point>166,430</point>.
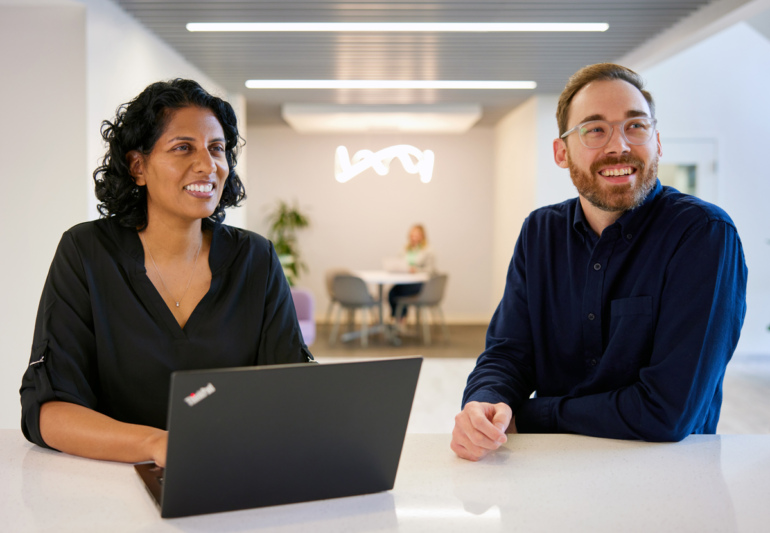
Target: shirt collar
<point>629,221</point>
<point>128,240</point>
<point>579,222</point>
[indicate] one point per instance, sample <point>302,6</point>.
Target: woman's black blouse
<point>105,339</point>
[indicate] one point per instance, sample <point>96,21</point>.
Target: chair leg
<point>335,327</point>
<point>351,316</point>
<point>444,327</point>
<point>364,327</point>
<point>329,311</point>
<point>425,324</point>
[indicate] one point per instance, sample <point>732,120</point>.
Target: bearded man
<point>622,307</point>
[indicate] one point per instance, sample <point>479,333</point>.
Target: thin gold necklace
<point>177,302</point>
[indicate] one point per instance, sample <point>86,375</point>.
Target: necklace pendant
<point>157,270</point>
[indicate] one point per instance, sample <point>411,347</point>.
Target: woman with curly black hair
<point>157,284</point>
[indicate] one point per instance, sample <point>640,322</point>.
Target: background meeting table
<point>382,278</point>
<point>534,483</point>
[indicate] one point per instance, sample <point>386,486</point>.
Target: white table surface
<point>383,277</point>
<point>535,483</point>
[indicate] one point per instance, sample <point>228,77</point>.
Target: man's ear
<point>135,161</point>
<point>660,147</point>
<point>560,153</point>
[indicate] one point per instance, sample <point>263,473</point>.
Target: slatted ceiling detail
<point>547,58</point>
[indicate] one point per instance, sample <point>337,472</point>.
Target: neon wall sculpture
<point>413,160</point>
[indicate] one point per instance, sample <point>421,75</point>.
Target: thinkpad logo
<point>200,395</point>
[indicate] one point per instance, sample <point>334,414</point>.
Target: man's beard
<point>615,197</point>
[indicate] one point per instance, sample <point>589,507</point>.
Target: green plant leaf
<point>284,220</point>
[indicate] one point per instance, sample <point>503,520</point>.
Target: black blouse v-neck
<point>105,339</point>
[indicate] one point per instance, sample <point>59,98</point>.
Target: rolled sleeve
<point>62,365</point>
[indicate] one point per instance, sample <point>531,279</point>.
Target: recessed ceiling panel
<point>546,58</point>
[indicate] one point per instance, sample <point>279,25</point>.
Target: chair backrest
<point>304,303</point>
<point>330,275</point>
<point>351,290</point>
<point>432,290</point>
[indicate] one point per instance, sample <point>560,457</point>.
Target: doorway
<point>690,166</point>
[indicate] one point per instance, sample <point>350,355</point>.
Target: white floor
<point>745,407</point>
<point>746,402</point>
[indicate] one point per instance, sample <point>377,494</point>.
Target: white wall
<point>68,66</point>
<point>554,184</point>
<point>515,187</point>
<point>238,216</point>
<point>526,177</point>
<point>356,224</point>
<point>719,89</point>
<point>42,146</point>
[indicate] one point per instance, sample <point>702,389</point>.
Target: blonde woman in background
<point>419,258</point>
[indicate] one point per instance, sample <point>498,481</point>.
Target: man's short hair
<point>597,72</point>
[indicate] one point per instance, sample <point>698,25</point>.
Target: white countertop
<point>535,483</point>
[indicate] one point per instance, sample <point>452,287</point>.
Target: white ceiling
<point>546,58</point>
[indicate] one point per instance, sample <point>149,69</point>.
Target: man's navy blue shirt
<point>626,335</point>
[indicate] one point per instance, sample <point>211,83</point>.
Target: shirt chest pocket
<point>630,339</point>
<point>631,322</point>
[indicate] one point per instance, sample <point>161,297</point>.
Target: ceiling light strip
<point>387,84</point>
<point>476,27</point>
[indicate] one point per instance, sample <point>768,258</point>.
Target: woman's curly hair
<point>137,126</point>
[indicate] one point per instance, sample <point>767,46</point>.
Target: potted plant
<point>284,222</point>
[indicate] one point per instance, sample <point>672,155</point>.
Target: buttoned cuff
<point>536,415</point>
<point>485,396</point>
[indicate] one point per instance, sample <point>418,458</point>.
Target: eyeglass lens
<point>597,132</point>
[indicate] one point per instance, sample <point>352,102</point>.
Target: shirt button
<point>597,266</point>
<point>591,316</point>
<point>629,236</point>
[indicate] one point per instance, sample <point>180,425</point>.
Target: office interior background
<point>67,65</point>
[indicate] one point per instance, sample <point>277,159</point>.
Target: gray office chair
<point>429,298</point>
<point>329,278</point>
<point>350,293</point>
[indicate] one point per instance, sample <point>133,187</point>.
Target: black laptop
<point>251,437</point>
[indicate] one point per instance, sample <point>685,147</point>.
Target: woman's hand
<point>157,445</point>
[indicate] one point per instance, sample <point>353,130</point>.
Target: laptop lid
<point>395,264</point>
<point>258,436</point>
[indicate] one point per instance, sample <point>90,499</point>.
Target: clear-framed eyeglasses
<point>597,133</point>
